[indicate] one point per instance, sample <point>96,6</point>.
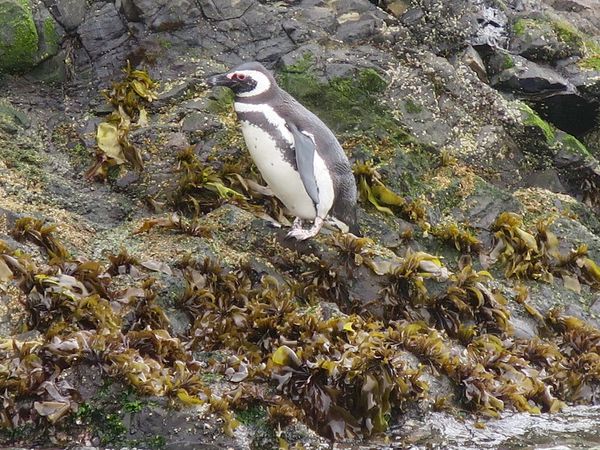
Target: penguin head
<point>247,80</point>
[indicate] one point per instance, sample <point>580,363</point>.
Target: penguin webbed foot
<point>297,224</point>
<point>301,234</point>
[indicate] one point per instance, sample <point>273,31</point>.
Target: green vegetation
<point>508,62</point>
<point>567,33</point>
<point>412,107</point>
<point>51,37</point>
<point>591,62</point>
<point>574,145</point>
<point>533,119</point>
<point>521,25</point>
<point>19,54</point>
<point>344,104</point>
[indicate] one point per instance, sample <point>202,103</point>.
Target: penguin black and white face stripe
<point>245,83</point>
<point>295,152</point>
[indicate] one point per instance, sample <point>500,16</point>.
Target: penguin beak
<point>220,80</point>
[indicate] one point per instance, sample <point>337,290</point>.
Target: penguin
<point>296,153</point>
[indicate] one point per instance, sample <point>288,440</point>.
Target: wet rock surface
<point>474,133</point>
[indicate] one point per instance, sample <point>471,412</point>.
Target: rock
<point>397,7</point>
<point>472,59</point>
<point>547,179</point>
<point>162,15</point>
<point>491,29</point>
<point>585,79</point>
<point>52,70</point>
<point>102,30</point>
<point>573,5</point>
<point>50,34</point>
<point>18,37</point>
<point>353,26</point>
<point>441,26</point>
<point>526,77</point>
<point>11,119</point>
<point>567,111</point>
<point>197,121</point>
<point>69,13</point>
<point>545,39</point>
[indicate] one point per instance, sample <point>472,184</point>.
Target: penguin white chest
<point>284,181</point>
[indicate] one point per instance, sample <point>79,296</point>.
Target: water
<point>574,428</point>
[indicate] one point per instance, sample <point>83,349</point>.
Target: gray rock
<point>547,179</point>
<point>492,27</point>
<point>538,39</point>
<point>162,15</point>
<point>69,13</point>
<point>354,27</point>
<point>50,33</point>
<point>527,77</point>
<point>225,10</point>
<point>472,59</point>
<point>102,30</point>
<point>197,121</point>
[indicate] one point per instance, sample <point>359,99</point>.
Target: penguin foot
<point>297,225</point>
<point>301,235</point>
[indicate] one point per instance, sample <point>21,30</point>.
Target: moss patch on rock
<point>19,37</point>
<point>531,118</point>
<point>344,104</point>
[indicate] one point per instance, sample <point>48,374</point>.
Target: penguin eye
<point>239,76</point>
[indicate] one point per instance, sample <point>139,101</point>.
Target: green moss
<point>165,44</point>
<point>19,54</point>
<point>574,145</point>
<point>344,104</point>
<point>221,101</point>
<point>507,62</point>
<point>591,62</point>
<point>567,34</point>
<point>51,37</point>
<point>157,442</point>
<point>533,119</point>
<point>521,25</point>
<point>412,107</point>
<point>252,415</point>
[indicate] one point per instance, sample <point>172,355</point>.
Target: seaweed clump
<point>200,188</point>
<point>127,98</point>
<point>372,190</point>
<point>85,320</point>
<point>537,256</point>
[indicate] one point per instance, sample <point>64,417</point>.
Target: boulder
<point>102,30</point>
<point>18,36</point>
<point>541,38</point>
<point>69,13</point>
<point>164,15</point>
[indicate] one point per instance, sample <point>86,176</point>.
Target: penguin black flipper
<point>305,160</point>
